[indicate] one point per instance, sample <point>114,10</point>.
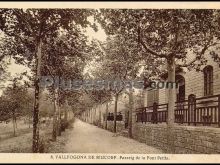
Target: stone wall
<point>110,126</point>
<point>186,139</point>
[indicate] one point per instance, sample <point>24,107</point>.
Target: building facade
<point>205,82</point>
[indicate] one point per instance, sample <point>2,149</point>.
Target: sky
<point>100,35</point>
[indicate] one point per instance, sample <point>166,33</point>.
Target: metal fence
<point>110,117</point>
<point>194,111</point>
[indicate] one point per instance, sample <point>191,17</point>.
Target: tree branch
<point>23,19</point>
<point>206,47</point>
<point>151,51</point>
<point>49,71</point>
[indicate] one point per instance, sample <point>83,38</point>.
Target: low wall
<point>185,139</point>
<point>110,125</point>
<point>119,126</point>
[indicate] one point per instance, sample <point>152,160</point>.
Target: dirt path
<point>86,138</point>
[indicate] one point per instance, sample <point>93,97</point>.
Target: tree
<point>166,34</point>
<point>64,60</point>
<point>5,48</point>
<point>29,29</point>
<point>12,104</point>
<point>120,65</point>
<point>99,97</point>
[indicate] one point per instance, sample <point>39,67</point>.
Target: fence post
<point>155,113</point>
<point>191,109</point>
<point>218,110</point>
<point>194,110</point>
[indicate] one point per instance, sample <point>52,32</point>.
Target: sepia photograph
<point>122,83</point>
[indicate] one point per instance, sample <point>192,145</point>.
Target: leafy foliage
<point>15,100</point>
<point>165,33</point>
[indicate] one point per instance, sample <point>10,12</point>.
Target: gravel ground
<point>86,138</point>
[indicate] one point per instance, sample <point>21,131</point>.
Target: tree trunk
<point>66,111</point>
<point>115,113</point>
<point>59,122</point>
<point>131,107</point>
<point>13,121</point>
<point>100,117</point>
<point>54,133</point>
<point>94,117</point>
<point>16,126</point>
<point>29,120</point>
<point>171,90</point>
<point>89,116</point>
<point>171,104</point>
<point>106,115</point>
<point>35,147</point>
<point>58,108</point>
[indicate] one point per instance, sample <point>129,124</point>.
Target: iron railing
<point>110,117</point>
<point>194,111</point>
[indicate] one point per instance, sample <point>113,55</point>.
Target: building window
<point>208,80</point>
<point>152,96</point>
<point>180,93</point>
